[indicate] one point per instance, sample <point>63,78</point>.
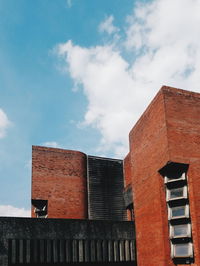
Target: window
<point>181,250</point>
<point>176,193</point>
<point>181,230</point>
<point>40,208</point>
<point>178,212</point>
<point>172,179</point>
<point>41,213</point>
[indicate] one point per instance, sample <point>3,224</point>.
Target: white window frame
<point>43,209</point>
<point>188,234</point>
<point>42,216</point>
<point>169,180</point>
<point>177,217</point>
<point>168,194</point>
<point>190,250</point>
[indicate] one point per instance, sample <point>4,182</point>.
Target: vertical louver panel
<point>39,251</point>
<point>105,189</point>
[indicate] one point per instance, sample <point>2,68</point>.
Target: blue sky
<point>78,74</point>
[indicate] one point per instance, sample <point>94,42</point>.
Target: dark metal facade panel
<point>105,189</point>
<point>35,241</point>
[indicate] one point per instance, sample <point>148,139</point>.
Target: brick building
<point>99,206</point>
<point>163,163</point>
<point>70,184</point>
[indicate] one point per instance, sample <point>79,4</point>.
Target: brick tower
<point>164,160</point>
<point>59,185</point>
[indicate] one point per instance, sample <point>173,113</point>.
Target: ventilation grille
<point>65,251</point>
<point>105,189</point>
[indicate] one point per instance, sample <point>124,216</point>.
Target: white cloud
<point>167,37</point>
<point>107,26</point>
<point>4,123</point>
<point>163,42</point>
<point>8,210</point>
<point>103,74</point>
<point>52,144</point>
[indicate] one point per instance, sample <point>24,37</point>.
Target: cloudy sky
<point>77,74</point>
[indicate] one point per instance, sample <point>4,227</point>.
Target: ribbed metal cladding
<point>54,251</point>
<point>105,189</point>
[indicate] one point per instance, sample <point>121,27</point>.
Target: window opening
<point>176,193</point>
<point>40,208</point>
<point>181,230</point>
<point>179,212</point>
<point>182,250</point>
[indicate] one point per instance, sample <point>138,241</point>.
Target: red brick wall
<point>149,152</point>
<point>59,176</point>
<point>169,130</point>
<point>183,125</point>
